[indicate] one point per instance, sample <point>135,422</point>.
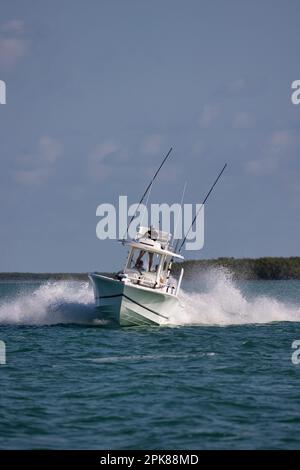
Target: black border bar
<point>144,459</point>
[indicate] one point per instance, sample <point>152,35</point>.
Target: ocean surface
<point>220,376</point>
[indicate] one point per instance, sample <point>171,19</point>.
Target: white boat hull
<point>131,305</point>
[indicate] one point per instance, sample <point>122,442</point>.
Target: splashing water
<point>51,303</point>
<point>222,302</point>
<point>212,298</point>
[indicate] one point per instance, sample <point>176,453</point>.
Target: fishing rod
<point>146,191</point>
<point>181,204</point>
<point>175,230</point>
<point>205,199</point>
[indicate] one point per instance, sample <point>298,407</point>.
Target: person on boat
<point>139,265</point>
<point>150,254</point>
<point>151,233</point>
<point>139,259</point>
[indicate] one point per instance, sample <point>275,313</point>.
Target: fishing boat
<point>144,292</point>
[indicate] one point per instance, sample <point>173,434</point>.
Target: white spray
<point>221,302</point>
<point>213,299</point>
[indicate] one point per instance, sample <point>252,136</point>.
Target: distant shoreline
<point>268,268</point>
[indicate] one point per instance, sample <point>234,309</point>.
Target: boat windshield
<point>143,261</point>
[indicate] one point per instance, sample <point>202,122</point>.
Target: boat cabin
<point>149,260</point>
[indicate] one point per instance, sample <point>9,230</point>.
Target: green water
<point>71,383</point>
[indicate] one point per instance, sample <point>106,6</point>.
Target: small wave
<point>147,357</point>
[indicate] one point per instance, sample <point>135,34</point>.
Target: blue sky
<point>97,92</point>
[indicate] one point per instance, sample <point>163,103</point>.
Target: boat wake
<point>49,304</point>
<point>212,298</point>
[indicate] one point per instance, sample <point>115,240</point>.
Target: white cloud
<point>37,167</point>
<point>99,162</point>
<point>264,166</point>
<point>282,139</point>
<point>172,176</point>
<point>246,86</point>
<point>209,115</point>
<point>100,172</point>
<point>49,149</point>
<point>14,26</point>
<point>33,176</point>
<point>243,120</point>
<point>152,145</point>
<point>278,148</point>
<point>11,51</point>
<point>104,150</point>
<point>12,45</point>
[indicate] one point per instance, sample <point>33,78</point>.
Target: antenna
<point>146,204</point>
<point>146,191</point>
<point>205,199</point>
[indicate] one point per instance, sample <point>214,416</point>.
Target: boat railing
<point>148,279</point>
